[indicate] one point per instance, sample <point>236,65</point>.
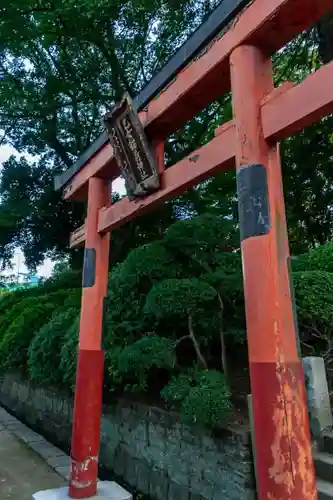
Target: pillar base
<point>106,490</point>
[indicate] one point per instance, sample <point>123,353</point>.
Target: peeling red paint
<point>284,464</point>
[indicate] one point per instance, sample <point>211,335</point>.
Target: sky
<point>18,260</point>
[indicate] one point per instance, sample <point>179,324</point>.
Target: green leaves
<point>204,397</point>
<point>16,340</point>
<point>314,301</point>
<point>44,355</point>
<point>62,65</point>
<point>68,354</point>
<point>179,297</point>
<point>143,359</point>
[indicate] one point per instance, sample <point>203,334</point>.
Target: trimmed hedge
<point>204,397</point>
<point>16,340</point>
<point>176,290</point>
<point>22,320</point>
<point>44,357</point>
<point>68,354</point>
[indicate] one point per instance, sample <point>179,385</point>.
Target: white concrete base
<point>106,490</point>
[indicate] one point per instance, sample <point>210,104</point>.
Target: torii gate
<point>239,60</point>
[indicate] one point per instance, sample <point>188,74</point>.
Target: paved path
<point>23,471</point>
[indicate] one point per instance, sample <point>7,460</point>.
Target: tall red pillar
<point>89,376</point>
<point>281,428</point>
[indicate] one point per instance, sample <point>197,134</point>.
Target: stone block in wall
<point>174,434</point>
<point>120,458</point>
<point>158,485</point>
<point>110,432</point>
<point>319,406</point>
<point>143,477</point>
<point>188,437</point>
<point>178,492</point>
<point>195,496</point>
<point>157,436</point>
<point>131,472</point>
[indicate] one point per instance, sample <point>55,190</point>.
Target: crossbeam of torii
<point>239,60</point>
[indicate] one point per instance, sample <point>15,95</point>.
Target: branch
<point>59,149</point>
<point>92,125</point>
<point>195,343</point>
<point>5,134</point>
<point>222,337</point>
<point>181,340</point>
<point>144,39</point>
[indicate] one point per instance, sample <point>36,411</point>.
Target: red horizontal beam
<point>269,24</point>
<point>207,160</point>
<point>266,23</point>
<point>289,112</point>
<point>101,165</point>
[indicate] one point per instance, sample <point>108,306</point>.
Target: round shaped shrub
<point>178,387</point>
<point>138,361</point>
<point>204,397</point>
<point>45,350</point>
<point>16,340</point>
<point>12,311</point>
<point>209,402</point>
<point>68,354</point>
<point>178,297</point>
<point>24,301</point>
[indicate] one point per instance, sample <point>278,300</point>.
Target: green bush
<point>15,309</point>
<point>44,353</point>
<point>300,263</point>
<point>69,278</point>
<point>314,300</point>
<point>9,299</point>
<point>68,354</point>
<point>16,340</point>
<point>204,397</point>
<point>317,259</point>
<point>129,284</point>
<point>138,361</point>
<point>209,402</point>
<point>26,300</point>
<point>321,258</point>
<point>179,297</point>
<point>201,239</point>
<point>178,387</point>
<point>73,299</point>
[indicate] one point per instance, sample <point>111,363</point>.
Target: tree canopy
<point>64,63</point>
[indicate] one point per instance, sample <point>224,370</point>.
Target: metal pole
<point>89,376</point>
<point>281,427</point>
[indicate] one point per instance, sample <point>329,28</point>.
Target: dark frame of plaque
<point>131,149</point>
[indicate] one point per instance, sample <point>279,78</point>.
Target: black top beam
<point>226,11</point>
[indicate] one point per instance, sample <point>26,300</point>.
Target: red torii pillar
<point>277,382</point>
<point>90,365</point>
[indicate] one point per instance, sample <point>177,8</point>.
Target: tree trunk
<point>222,337</point>
<point>196,344</point>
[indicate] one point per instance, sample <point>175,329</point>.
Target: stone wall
<point>148,448</point>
